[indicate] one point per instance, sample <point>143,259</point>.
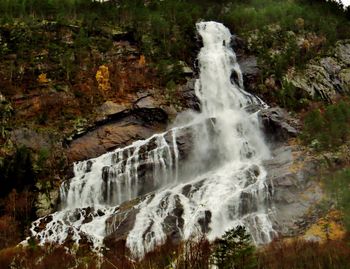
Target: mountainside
<point>79,79</point>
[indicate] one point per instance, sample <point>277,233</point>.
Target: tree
<point>234,250</point>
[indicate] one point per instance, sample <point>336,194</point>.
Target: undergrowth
<point>327,127</point>
<point>279,254</point>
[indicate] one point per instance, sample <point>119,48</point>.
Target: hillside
<point>82,78</point>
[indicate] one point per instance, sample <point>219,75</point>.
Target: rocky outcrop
<point>119,124</point>
<point>187,95</point>
<point>250,70</point>
<point>327,77</point>
<point>31,139</point>
<point>46,200</point>
<point>116,130</point>
<point>290,174</point>
<point>278,125</point>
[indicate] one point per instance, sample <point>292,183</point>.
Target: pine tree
<point>234,250</point>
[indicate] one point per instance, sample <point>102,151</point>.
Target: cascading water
<point>234,191</point>
<point>218,185</point>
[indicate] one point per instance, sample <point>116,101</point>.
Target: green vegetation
<point>338,185</point>
<point>328,128</point>
<point>234,250</point>
<point>166,28</point>
<point>6,111</point>
<point>165,32</point>
<point>53,49</point>
<point>191,254</point>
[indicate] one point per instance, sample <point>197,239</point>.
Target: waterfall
<point>234,191</point>
<point>217,184</point>
<point>114,177</point>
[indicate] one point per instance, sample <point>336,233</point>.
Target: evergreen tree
<point>234,250</point>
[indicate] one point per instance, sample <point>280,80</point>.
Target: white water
<point>220,185</point>
<point>232,192</point>
<point>114,177</point>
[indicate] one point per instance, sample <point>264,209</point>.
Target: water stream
<point>217,184</point>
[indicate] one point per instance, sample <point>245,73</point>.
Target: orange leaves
<point>42,79</point>
<point>142,61</point>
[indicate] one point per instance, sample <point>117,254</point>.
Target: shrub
<point>328,128</point>
<point>304,254</point>
<point>338,186</point>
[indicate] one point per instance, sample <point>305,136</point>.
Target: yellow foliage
<point>42,79</point>
<point>102,77</point>
<point>327,227</point>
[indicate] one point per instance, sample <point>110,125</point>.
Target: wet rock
<point>248,203</point>
<point>187,95</point>
<point>205,221</point>
<point>251,72</point>
<point>121,223</point>
<point>278,125</point>
<point>118,130</point>
<point>174,223</point>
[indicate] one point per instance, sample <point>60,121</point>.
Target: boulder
<point>146,102</point>
<point>109,108</point>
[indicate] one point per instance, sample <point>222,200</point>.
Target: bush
<point>338,185</point>
<point>305,254</point>
<point>327,128</point>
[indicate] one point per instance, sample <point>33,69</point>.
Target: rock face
<point>289,174</point>
<point>46,201</point>
<point>277,125</point>
<point>31,139</point>
<point>250,71</point>
<point>110,108</point>
<point>117,130</point>
<point>327,77</point>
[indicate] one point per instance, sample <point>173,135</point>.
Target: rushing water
<point>218,184</point>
